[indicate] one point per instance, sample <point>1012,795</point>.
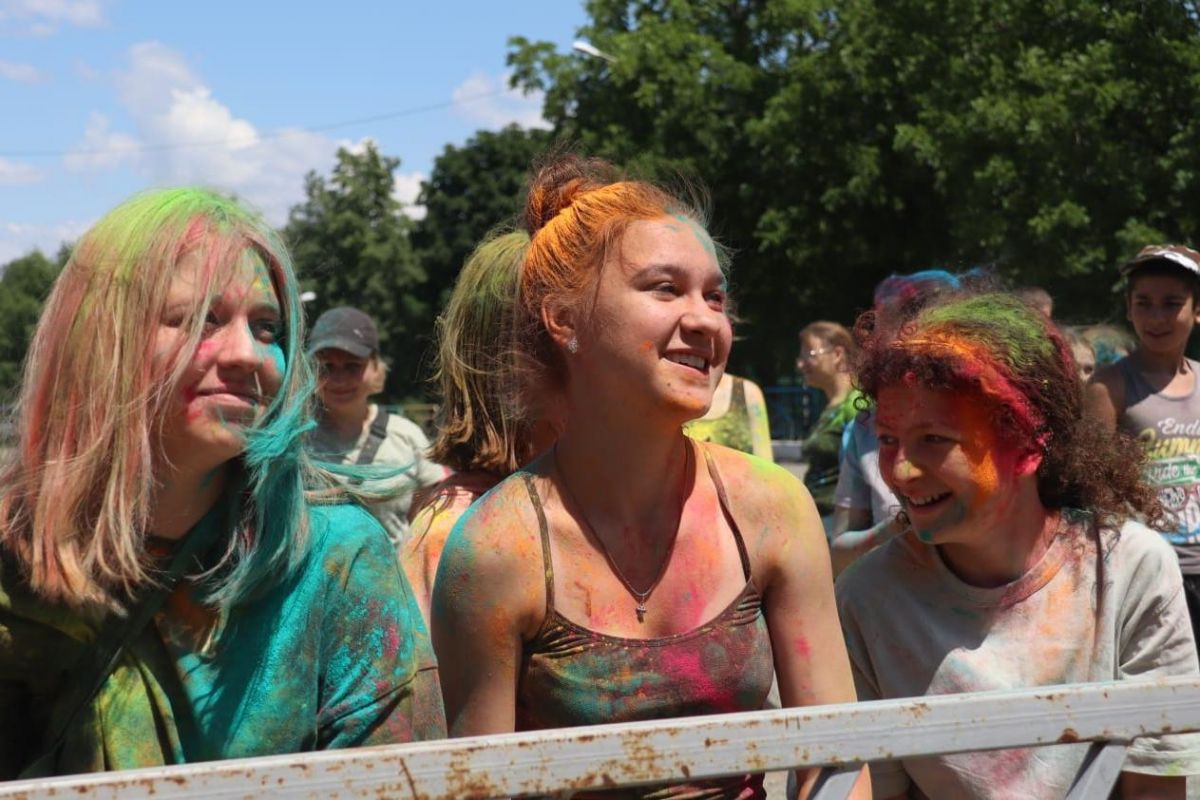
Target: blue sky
<point>102,98</point>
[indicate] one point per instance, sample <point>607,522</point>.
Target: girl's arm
<point>793,562</point>
<point>488,598</point>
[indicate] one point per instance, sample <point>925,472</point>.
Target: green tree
<point>847,139</point>
<point>24,284</point>
<point>471,190</point>
<point>350,242</point>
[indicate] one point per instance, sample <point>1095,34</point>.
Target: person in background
<point>178,581</point>
<point>631,573</point>
<point>352,430</point>
<point>1038,298</point>
<point>486,430</point>
<point>1021,566</point>
<point>1109,343</point>
<point>1153,394</point>
<point>826,353</point>
<point>865,510</point>
<point>1081,350</point>
<point>737,418</point>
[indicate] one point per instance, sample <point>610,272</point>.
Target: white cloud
<point>487,100</point>
<point>183,134</point>
<point>17,239</point>
<point>405,188</point>
<point>44,17</point>
<point>15,173</point>
<point>21,73</point>
<point>101,148</point>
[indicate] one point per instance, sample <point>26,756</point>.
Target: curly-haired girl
<point>1021,566</point>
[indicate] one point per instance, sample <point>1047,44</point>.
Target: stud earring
<point>573,346</point>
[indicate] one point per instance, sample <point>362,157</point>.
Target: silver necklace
<point>640,597</point>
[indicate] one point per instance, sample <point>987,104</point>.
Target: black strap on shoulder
<point>544,530</point>
<point>723,499</point>
<point>375,437</point>
<point>90,672</point>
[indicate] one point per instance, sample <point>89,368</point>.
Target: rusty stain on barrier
<point>611,756</point>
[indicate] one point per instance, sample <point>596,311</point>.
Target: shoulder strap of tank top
<point>738,398</point>
<point>544,530</point>
<point>721,496</point>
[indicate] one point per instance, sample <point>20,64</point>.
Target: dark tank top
<point>575,676</point>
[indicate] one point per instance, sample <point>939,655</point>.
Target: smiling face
<point>236,368</point>
<point>1162,310</point>
<point>941,457</point>
<point>346,381</point>
<point>659,329</point>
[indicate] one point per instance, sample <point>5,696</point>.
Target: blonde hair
<point>478,427</point>
<point>75,497</point>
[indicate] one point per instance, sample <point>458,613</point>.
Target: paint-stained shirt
<point>336,656</point>
<point>913,628</point>
<point>823,448</point>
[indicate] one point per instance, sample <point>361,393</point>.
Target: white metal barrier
<point>560,762</point>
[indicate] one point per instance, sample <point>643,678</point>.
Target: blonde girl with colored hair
<point>486,428</point>
<point>158,543</point>
<point>630,573</point>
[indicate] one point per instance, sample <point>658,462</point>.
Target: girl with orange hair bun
<point>631,573</point>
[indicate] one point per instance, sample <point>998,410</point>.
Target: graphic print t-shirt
<point>1169,429</point>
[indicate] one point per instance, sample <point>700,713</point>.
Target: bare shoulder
<point>772,507</point>
<point>494,551</point>
<point>755,485</point>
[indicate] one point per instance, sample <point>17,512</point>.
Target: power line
<point>279,134</point>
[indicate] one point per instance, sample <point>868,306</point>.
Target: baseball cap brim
<point>339,343</point>
<point>1176,255</point>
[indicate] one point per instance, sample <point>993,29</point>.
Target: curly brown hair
<point>993,346</point>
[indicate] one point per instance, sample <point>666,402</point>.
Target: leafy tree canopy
<point>843,140</point>
<point>24,285</point>
<point>350,243</point>
<point>471,191</point>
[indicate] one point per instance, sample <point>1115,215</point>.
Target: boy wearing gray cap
<point>350,428</point>
<point>1152,394</point>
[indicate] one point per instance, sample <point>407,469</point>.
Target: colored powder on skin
<point>989,341</point>
<point>802,648</point>
<point>698,231</point>
<point>979,446</point>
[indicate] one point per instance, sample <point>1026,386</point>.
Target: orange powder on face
<point>979,445</point>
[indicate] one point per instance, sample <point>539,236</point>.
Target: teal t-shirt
<point>337,656</point>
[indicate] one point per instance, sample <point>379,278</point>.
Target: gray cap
<point>344,328</point>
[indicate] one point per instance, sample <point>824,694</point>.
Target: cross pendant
<point>641,612</point>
